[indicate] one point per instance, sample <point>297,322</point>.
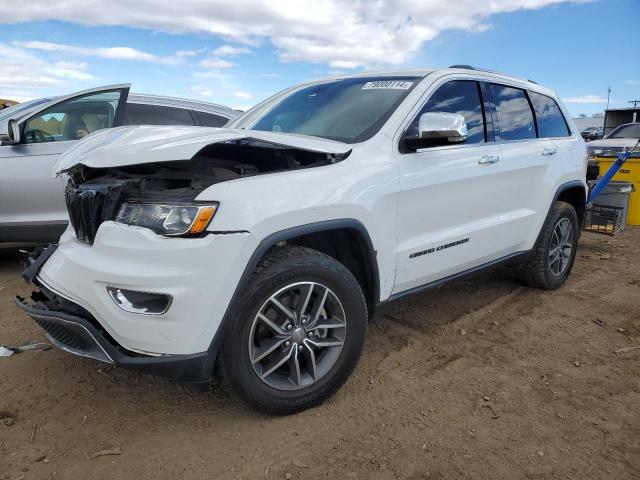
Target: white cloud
<point>340,33</point>
<point>242,95</point>
<point>202,91</point>
<point>632,82</point>
<point>23,74</point>
<point>585,99</point>
<point>230,51</point>
<point>73,71</point>
<point>190,53</point>
<point>216,63</point>
<point>116,53</point>
<point>213,74</point>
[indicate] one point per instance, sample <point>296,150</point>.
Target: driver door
<point>32,206</point>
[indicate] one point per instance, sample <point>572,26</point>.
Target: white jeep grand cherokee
<point>267,244</point>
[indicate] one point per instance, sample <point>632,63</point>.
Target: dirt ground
<point>480,379</point>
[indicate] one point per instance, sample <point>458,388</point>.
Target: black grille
<point>86,211</point>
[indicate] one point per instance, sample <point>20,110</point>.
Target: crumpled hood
<point>132,145</point>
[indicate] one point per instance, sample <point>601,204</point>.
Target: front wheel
<point>299,333</point>
<point>555,250</point>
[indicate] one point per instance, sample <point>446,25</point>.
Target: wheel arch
<point>575,194</point>
<point>306,235</point>
<point>347,240</point>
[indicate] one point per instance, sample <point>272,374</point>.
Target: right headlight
<point>167,219</point>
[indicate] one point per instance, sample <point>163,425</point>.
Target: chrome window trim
<point>523,85</point>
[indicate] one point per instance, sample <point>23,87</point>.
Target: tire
<point>291,275</point>
<point>540,270</point>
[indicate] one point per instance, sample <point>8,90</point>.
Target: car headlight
<point>172,220</point>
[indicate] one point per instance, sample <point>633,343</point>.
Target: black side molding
<point>456,276</point>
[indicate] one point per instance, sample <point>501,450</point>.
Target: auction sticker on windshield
<point>388,84</point>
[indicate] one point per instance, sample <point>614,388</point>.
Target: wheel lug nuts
<point>289,326</point>
<point>287,343</point>
<point>311,334</point>
<point>300,347</point>
<point>304,320</point>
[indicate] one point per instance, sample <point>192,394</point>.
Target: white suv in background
<point>32,206</point>
<point>269,243</point>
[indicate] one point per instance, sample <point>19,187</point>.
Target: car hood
<point>613,142</point>
<point>116,147</point>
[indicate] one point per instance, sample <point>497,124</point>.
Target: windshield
<point>626,131</point>
<point>20,107</point>
<point>349,110</point>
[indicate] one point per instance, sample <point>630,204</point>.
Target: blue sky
<point>239,53</point>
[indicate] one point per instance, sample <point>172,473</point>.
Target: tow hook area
<point>35,260</point>
<point>73,329</point>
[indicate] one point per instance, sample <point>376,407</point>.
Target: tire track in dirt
<point>414,408</point>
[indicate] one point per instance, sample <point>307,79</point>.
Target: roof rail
<point>469,67</point>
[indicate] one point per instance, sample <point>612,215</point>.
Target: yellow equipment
<point>629,172</point>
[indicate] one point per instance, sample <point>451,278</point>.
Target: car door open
<point>31,200</point>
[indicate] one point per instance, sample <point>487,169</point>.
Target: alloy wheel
<point>560,247</point>
<point>297,336</point>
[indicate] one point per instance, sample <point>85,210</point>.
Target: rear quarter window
<point>141,114</point>
<point>209,119</point>
<point>551,122</point>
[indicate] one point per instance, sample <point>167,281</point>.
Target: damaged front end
<point>161,195</point>
<point>144,287</point>
<point>73,329</point>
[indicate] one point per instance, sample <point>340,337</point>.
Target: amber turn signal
<point>204,216</point>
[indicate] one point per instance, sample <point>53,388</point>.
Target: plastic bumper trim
<point>195,368</point>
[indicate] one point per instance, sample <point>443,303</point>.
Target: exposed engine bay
<point>94,195</point>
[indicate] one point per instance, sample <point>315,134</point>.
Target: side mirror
<point>12,137</point>
<point>443,126</point>
<point>438,128</point>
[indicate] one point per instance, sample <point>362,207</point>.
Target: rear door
<point>29,196</point>
<point>449,203</point>
<point>553,125</point>
<point>530,167</point>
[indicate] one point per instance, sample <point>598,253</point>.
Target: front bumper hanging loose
<point>71,328</point>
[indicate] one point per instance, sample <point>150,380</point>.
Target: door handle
<point>489,159</point>
<point>549,151</point>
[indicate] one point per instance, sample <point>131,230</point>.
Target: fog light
<point>144,303</point>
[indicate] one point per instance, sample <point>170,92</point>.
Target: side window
<point>141,114</point>
<point>551,122</point>
<point>209,119</point>
<point>515,118</point>
<point>73,119</point>
<point>461,97</point>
